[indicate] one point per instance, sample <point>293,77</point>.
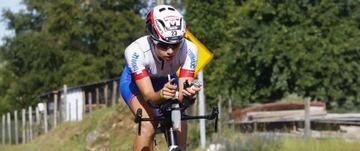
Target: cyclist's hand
<point>169,90</point>
<point>191,91</point>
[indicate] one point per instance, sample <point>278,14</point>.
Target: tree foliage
<point>65,42</point>
<point>263,50</point>
<point>276,48</point>
<point>212,22</point>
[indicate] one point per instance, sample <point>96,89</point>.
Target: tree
<point>276,48</point>
<point>66,42</point>
<point>211,22</point>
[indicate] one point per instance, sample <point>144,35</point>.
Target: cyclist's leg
<point>133,99</point>
<point>144,140</point>
<point>182,135</point>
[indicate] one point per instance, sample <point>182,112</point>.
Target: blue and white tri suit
<point>142,61</point>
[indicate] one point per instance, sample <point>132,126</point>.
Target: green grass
<point>117,130</point>
<point>68,136</point>
<point>329,144</point>
<point>271,142</point>
<point>114,125</point>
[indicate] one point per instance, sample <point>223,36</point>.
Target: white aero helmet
<point>165,24</point>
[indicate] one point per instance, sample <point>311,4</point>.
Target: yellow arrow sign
<point>204,55</point>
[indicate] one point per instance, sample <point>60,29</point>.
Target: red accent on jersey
<point>187,73</point>
<point>142,74</point>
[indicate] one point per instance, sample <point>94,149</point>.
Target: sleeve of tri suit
<point>135,60</point>
<point>188,68</point>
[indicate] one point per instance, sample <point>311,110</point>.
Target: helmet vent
<point>161,9</point>
<point>161,22</point>
<point>169,8</point>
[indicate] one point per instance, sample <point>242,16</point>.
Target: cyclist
<point>150,59</point>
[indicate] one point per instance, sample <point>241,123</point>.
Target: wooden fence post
<point>220,115</point>
<point>229,113</point>
<point>307,129</point>
<point>30,124</point>
<point>90,101</point>
<point>37,115</point>
<point>65,102</point>
<point>60,108</point>
<point>9,127</point>
<point>23,126</point>
<point>106,94</point>
<point>76,110</point>
<point>45,118</point>
<point>84,103</point>
<point>97,97</point>
<point>55,109</point>
<point>69,112</point>
<point>16,127</point>
<point>114,93</point>
<point>3,129</point>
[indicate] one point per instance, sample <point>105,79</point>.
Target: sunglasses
<point>162,45</point>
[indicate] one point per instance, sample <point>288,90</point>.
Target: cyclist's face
<point>167,51</point>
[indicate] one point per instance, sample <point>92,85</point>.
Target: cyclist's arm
<point>187,72</point>
<point>134,59</point>
<point>147,90</point>
<point>181,86</point>
<point>148,93</point>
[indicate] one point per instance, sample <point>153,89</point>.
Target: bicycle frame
<point>167,123</point>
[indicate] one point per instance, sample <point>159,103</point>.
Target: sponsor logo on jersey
<point>134,59</point>
<point>192,59</point>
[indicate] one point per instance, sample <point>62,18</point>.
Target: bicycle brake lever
<point>187,84</point>
<point>189,101</point>
<point>216,124</point>
<point>215,112</point>
<point>138,117</point>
